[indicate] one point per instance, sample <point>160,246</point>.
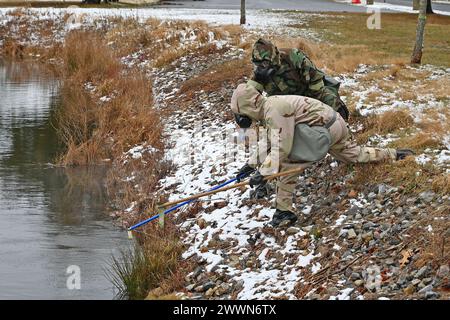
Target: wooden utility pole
<point>416,57</point>
<point>242,11</point>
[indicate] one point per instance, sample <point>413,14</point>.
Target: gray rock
<point>333,291</point>
<point>394,286</point>
<point>190,287</point>
<point>427,280</point>
<point>371,286</point>
<point>427,196</point>
<point>351,234</point>
<point>208,285</point>
<point>389,261</point>
<point>292,230</point>
<point>367,236</point>
<point>443,271</point>
<point>382,188</point>
<point>369,225</point>
<point>314,296</point>
<point>359,283</point>
<point>355,276</point>
<point>239,285</point>
<point>432,295</point>
<point>421,285</point>
<point>426,289</point>
<point>415,282</point>
<point>421,272</point>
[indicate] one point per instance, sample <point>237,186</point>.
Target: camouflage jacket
<point>297,75</point>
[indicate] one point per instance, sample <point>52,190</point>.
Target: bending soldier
<point>291,72</point>
<point>305,130</point>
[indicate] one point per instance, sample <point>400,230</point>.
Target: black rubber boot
<point>281,216</point>
<point>403,153</point>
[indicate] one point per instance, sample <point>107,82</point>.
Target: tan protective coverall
<point>281,114</point>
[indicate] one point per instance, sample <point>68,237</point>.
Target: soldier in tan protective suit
<point>286,117</point>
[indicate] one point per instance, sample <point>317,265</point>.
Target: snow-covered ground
<point>256,19</point>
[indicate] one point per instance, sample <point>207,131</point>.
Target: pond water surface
<point>52,220</point>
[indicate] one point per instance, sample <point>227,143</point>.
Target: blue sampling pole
<point>177,206</point>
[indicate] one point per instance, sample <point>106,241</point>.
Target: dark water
<point>50,218</point>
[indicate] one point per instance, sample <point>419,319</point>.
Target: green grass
<point>395,39</point>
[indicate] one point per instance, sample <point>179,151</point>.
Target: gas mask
<point>264,71</point>
<point>243,122</point>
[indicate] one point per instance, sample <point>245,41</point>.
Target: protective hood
<point>247,101</point>
<point>264,50</point>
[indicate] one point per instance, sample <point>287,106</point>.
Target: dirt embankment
<point>151,99</point>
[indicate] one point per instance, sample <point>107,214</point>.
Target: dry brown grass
<point>218,76</point>
<point>418,142</point>
<point>91,130</point>
<point>87,58</point>
<point>163,42</point>
<point>331,58</point>
<point>441,184</point>
<point>13,49</point>
<point>388,122</point>
<point>153,263</point>
<point>410,176</point>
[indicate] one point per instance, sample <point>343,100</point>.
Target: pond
<point>56,238</point>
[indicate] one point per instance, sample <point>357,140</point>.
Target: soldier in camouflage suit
<point>290,71</point>
<point>281,115</point>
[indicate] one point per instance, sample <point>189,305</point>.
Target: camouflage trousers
<point>343,148</point>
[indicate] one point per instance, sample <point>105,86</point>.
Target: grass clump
<point>388,122</point>
<point>153,263</point>
<point>106,108</point>
<point>418,142</point>
<point>406,174</point>
<point>87,57</point>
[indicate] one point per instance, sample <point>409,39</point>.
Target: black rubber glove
<point>257,180</point>
<point>244,172</point>
<point>343,110</point>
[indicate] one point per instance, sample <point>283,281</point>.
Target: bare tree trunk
<point>242,11</point>
<point>429,7</point>
<point>416,57</point>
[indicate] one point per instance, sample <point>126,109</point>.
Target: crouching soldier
<point>302,130</point>
<point>290,71</point>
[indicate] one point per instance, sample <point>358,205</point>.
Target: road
<point>305,5</point>
<point>436,6</point>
